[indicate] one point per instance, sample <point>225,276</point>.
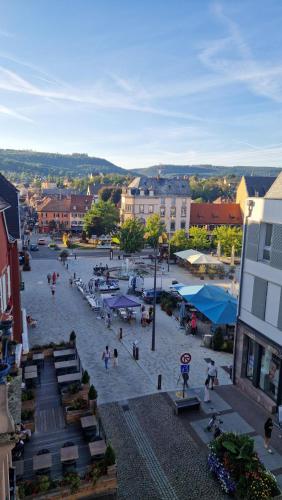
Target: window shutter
<point>259,297</point>
<point>252,241</point>
<point>276,246</point>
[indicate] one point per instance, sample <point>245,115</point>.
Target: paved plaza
<point>67,311</point>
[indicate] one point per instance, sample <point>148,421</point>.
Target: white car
<point>41,241</point>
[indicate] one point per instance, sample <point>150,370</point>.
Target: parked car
<point>41,241</point>
<point>33,248</point>
<point>148,295</point>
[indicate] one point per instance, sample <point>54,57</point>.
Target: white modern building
<point>169,198</point>
<point>258,341</point>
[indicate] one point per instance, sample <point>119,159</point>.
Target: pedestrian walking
<point>49,278</point>
<point>212,374</point>
<point>53,289</point>
<point>268,426</point>
<point>70,281</point>
<point>143,316</point>
<point>151,313</point>
<point>108,320</point>
<point>106,356</point>
<point>194,324</point>
<point>115,358</point>
<point>54,278</point>
<point>207,398</point>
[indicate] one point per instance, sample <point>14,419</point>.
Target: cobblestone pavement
<point>179,465</point>
<point>67,311</point>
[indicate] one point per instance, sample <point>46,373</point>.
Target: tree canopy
<point>110,193</point>
<point>198,238</point>
<point>179,241</point>
<point>131,236</point>
<point>154,229</point>
<point>101,218</point>
<point>228,236</point>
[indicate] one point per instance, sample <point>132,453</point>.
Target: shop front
<point>258,367</point>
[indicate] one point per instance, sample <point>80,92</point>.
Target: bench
<point>192,403</point>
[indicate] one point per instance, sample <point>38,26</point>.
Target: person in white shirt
<point>212,373</point>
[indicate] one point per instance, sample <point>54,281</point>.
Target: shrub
<point>27,395</point>
<point>27,415</point>
<point>44,484</point>
<point>218,339</point>
<point>110,456</point>
<point>72,480</point>
<point>85,377</point>
<point>72,336</point>
<point>77,404</point>
<point>227,346</point>
<point>92,393</point>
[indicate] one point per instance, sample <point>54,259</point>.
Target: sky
<point>143,82</point>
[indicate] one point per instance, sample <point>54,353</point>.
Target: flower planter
<point>73,416</point>
<point>29,424</point>
<point>105,485</point>
<point>28,405</point>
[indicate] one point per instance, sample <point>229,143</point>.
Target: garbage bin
<point>207,340</point>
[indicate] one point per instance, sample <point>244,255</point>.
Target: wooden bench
<point>192,403</point>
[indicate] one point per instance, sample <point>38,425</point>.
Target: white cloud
<point>14,114</point>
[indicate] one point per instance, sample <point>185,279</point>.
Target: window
<point>128,208</point>
<point>162,201</point>
<point>74,207</point>
<point>173,201</point>
<point>172,226</point>
<point>141,209</point>
<point>173,211</point>
<point>183,224</point>
<point>151,209</point>
<point>183,211</point>
<point>267,242</point>
<point>269,373</point>
<point>250,359</point>
<point>162,211</point>
<point>184,201</point>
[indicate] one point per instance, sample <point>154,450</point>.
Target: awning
<point>123,301</point>
<point>203,259</point>
<point>184,254</point>
<point>213,301</point>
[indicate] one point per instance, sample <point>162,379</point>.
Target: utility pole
<point>154,300</point>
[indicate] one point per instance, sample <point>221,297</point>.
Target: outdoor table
<point>97,448</point>
<point>69,366</point>
<point>69,378</point>
<point>69,453</point>
<point>65,353</point>
<point>38,357</point>
<point>88,422</point>
<point>43,461</point>
<point>30,369</point>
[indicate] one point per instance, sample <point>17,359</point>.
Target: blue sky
<point>143,82</point>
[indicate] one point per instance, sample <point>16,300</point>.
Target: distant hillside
<point>205,170</point>
<point>43,164</point>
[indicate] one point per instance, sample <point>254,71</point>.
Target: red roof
<point>74,203</point>
<point>80,202</point>
<point>213,213</point>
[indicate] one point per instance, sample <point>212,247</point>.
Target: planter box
<point>74,416</point>
<point>67,399</point>
<point>29,424</point>
<point>28,405</point>
<point>106,485</point>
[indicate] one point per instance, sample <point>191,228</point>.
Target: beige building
<point>252,187</point>
<point>169,198</point>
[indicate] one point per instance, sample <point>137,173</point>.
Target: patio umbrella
<point>203,259</point>
<point>232,256</point>
<point>184,254</point>
<point>121,302</point>
<point>218,251</point>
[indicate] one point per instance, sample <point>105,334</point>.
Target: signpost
<point>185,359</point>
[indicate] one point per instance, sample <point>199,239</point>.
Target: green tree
<point>154,229</point>
<point>131,235</point>
<point>198,237</point>
<point>101,218</point>
<point>179,241</point>
<point>228,236</point>
<point>105,193</point>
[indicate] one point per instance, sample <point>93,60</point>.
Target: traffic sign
<point>185,358</point>
<point>184,368</point>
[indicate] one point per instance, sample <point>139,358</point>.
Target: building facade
<point>252,187</point>
<point>212,215</point>
<point>169,198</point>
<point>63,214</point>
<point>258,341</point>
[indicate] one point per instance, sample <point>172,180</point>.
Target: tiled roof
<point>210,213</point>
<point>81,202</point>
<point>258,186</point>
<point>161,186</point>
<point>275,191</point>
<point>55,205</point>
<point>10,193</point>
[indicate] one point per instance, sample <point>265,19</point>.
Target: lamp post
<point>154,300</point>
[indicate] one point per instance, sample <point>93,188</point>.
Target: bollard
<point>120,333</point>
<point>74,276</point>
<point>136,353</point>
<point>67,266</point>
<point>159,382</point>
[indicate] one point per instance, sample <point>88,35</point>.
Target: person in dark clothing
<point>268,426</point>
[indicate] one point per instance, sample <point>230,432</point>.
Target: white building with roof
<point>170,198</point>
<point>258,341</point>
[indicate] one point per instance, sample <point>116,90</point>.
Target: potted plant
<point>72,338</point>
<point>27,419</point>
<point>76,410</point>
<point>85,378</point>
<point>110,459</point>
<point>92,396</point>
<point>218,339</point>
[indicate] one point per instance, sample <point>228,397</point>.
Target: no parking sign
<point>185,358</point>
